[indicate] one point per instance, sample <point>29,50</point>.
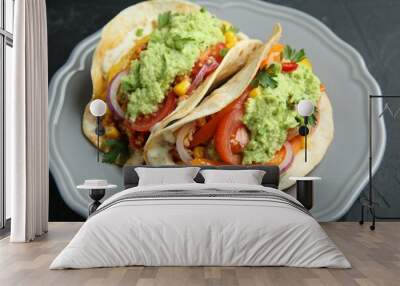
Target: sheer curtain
<point>26,124</point>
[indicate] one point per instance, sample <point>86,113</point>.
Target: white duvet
<point>200,231</point>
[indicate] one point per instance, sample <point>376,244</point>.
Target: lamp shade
<point>98,107</point>
<point>305,107</point>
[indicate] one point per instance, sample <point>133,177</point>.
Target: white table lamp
<point>98,108</point>
<point>305,108</point>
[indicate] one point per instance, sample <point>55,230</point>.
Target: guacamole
<point>269,115</point>
<point>173,49</point>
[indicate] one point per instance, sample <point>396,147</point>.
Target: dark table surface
<point>371,26</point>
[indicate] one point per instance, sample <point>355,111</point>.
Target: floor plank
<point>375,257</point>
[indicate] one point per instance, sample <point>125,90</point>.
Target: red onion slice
<point>242,136</point>
<point>287,161</point>
<point>208,67</point>
<point>180,142</point>
<point>112,100</point>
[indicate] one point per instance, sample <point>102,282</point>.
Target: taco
<point>252,119</point>
<point>154,63</point>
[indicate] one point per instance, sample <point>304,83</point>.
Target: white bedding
<point>223,231</point>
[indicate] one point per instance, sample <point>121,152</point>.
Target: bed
<point>201,224</point>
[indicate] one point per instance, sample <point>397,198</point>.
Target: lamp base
<point>96,195</point>
<point>371,207</point>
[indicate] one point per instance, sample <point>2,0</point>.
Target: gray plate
<point>345,167</point>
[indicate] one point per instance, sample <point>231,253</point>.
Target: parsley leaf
<point>312,120</point>
<point>287,52</point>
<point>163,19</point>
<point>139,32</point>
<point>299,56</point>
<point>293,55</point>
<point>223,52</point>
<point>264,79</point>
<point>118,153</point>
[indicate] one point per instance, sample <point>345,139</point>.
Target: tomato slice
<point>145,123</point>
<point>206,132</point>
<point>228,125</point>
<point>289,67</point>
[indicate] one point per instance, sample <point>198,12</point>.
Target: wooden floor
<point>375,257</point>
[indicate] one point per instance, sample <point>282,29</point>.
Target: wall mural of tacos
<point>184,87</point>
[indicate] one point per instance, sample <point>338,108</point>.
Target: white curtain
<point>26,124</point>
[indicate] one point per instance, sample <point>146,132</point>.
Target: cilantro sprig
<point>312,120</point>
<point>292,55</point>
<point>266,77</point>
<point>118,152</point>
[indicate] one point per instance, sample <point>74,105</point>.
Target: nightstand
<point>304,190</point>
<point>97,190</point>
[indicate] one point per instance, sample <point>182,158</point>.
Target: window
<point>9,13</point>
<point>6,65</point>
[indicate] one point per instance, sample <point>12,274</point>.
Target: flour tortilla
<point>159,144</point>
<point>119,37</point>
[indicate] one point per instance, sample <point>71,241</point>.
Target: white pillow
<point>248,177</point>
<point>164,176</point>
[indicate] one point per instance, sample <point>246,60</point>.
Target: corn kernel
<point>306,62</point>
<point>199,152</point>
<point>112,132</point>
<point>181,88</point>
<point>230,39</point>
<point>255,92</point>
